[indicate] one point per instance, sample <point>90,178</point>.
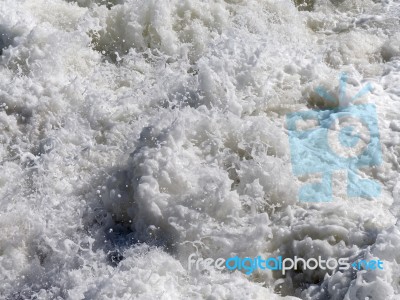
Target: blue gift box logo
<point>343,138</point>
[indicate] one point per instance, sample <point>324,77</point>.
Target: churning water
<point>134,133</point>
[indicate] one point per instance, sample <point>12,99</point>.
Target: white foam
<point>156,129</point>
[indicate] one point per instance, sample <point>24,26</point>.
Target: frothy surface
<point>135,133</point>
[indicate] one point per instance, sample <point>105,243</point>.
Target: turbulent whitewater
<point>135,133</point>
